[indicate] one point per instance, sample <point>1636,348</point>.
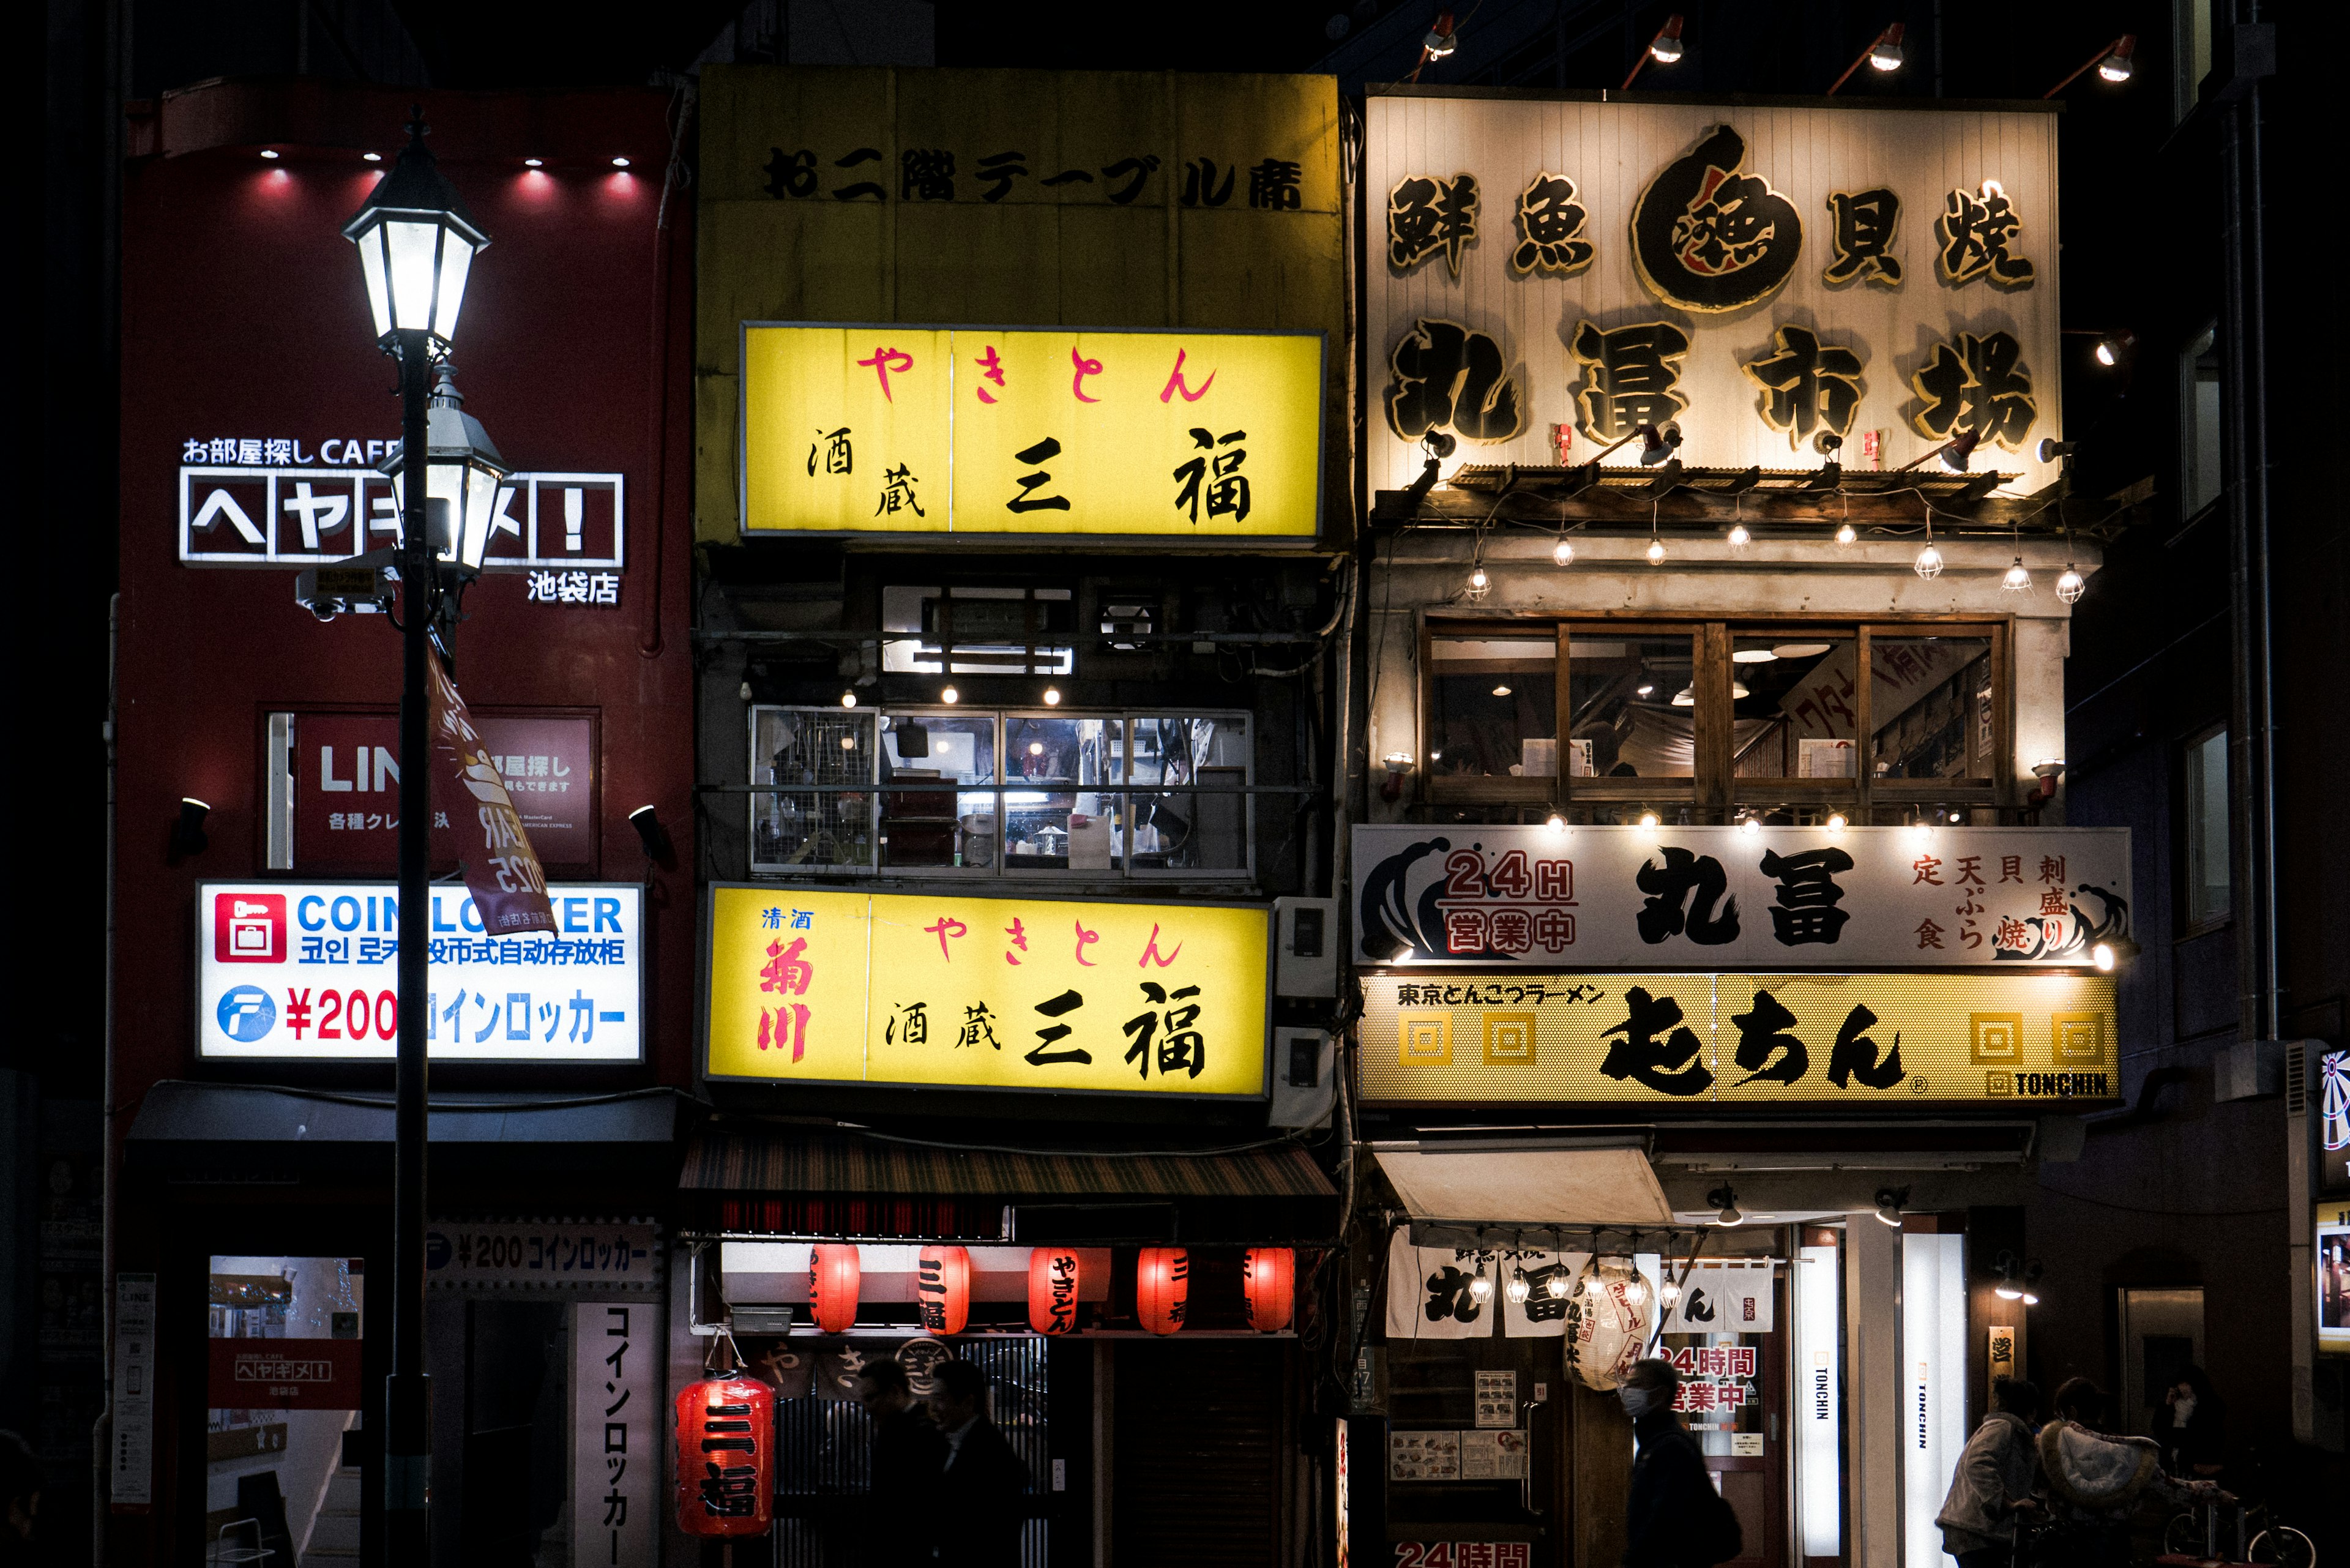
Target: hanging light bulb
<point>1517,1289</point>
<point>1478,582</point>
<point>1750,823</point>
<point>1481,1287</point>
<point>1929,564</point>
<point>2016,580</point>
<point>1647,822</point>
<point>1740,537</point>
<point>1656,551</point>
<point>1636,1291</point>
<point>950,696</point>
<point>1670,1293</point>
<point>1556,822</point>
<point>1562,553</point>
<point>849,698</point>
<point>2071,585</point>
<point>1556,1286</point>
<point>1846,535</point>
<point>1836,823</point>
<point>1052,696</point>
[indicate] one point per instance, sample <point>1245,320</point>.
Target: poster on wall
<point>2332,1243</point>
<point>346,779</point>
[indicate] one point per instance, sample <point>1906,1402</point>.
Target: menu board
<point>1493,1455</point>
<point>1423,1456</point>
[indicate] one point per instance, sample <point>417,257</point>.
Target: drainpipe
<point>102,1434</point>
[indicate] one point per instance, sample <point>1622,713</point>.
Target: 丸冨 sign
<point>309,971</point>
<point>1000,430</point>
<point>1742,1039</point>
<point>1722,897</point>
<point>1055,994</point>
<point>1776,281</point>
<point>345,772</point>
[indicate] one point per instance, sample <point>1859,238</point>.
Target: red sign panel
<point>285,1375</point>
<point>346,791</point>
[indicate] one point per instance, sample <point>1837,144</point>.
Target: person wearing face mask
<point>1674,1517</point>
<point>2190,1427</point>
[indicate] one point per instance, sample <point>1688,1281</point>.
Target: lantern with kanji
<point>1163,1283</point>
<point>725,1457</point>
<point>833,1277</point>
<point>1269,1287</point>
<point>942,1289</point>
<point>1052,1276</point>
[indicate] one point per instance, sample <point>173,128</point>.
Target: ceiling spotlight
<point>1750,824</point>
<point>2118,66</point>
<point>1666,47</point>
<point>950,696</point>
<point>619,164</point>
<point>849,698</point>
<point>1657,445</point>
<point>1656,552</point>
<point>650,833</point>
<point>1562,553</point>
<point>534,162</point>
<point>1685,698</point>
<point>1960,447</point>
<point>1836,823</point>
<point>1442,40</point>
<point>1052,696</point>
<point>1646,688</point>
<point>270,153</point>
<point>2109,352</point>
<point>371,157</point>
<point>1738,689</point>
<point>1740,537</point>
<point>1500,691</point>
<point>1846,534</point>
<point>1517,1289</point>
<point>2007,1292</point>
<point>1647,822</point>
<point>1929,564</point>
<point>188,835</point>
<point>1885,54</point>
<point>2071,585</point>
<point>1890,1201</point>
<point>1723,1200</point>
<point>2015,579</point>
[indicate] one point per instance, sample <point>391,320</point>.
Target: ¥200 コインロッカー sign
<point>1184,434</point>
<point>1659,1039</point>
<point>1722,897</point>
<point>990,993</point>
<point>310,971</point>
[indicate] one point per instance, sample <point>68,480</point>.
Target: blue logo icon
<point>246,1013</point>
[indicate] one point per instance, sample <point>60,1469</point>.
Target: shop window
<point>1063,811</point>
<point>977,630</point>
<point>1932,713</point>
<point>923,825</point>
<point>1795,703</point>
<point>1494,707</point>
<point>2199,446</point>
<point>827,823</point>
<point>1632,705</point>
<point>274,1469</point>
<point>1188,771</point>
<point>2204,895</point>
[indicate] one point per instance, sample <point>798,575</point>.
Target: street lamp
<point>416,245</point>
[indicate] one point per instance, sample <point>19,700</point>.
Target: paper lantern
<point>725,1457</point>
<point>1269,1287</point>
<point>1608,1319</point>
<point>1163,1283</point>
<point>833,1275</point>
<point>942,1289</point>
<point>1052,1276</point>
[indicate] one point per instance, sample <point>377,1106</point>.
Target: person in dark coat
<point>1671,1492</point>
<point>908,1452</point>
<point>2191,1427</point>
<point>982,1495</point>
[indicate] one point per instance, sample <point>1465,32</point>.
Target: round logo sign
<point>1707,236</point>
<point>246,1013</point>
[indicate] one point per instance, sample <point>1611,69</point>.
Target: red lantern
<point>1053,1277</point>
<point>1163,1283</point>
<point>833,1276</point>
<point>1269,1283</point>
<point>725,1457</point>
<point>942,1289</point>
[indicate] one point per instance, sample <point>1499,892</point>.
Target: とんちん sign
<point>990,993</point>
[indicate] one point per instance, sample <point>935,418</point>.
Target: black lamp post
<point>417,244</point>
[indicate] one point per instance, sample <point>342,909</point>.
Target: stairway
<point>334,1534</point>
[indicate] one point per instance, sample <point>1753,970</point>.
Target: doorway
<point>2161,1336</point>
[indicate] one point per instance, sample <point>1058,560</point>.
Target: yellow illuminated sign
<point>1743,1039</point>
<point>1189,434</point>
<point>990,993</point>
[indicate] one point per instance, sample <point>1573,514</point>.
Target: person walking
<point>982,1495</point>
<point>1674,1518</point>
<point>1993,1480</point>
<point>908,1454</point>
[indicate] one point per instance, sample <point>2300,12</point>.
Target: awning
<point>798,1160</point>
<point>231,1129</point>
<point>1528,1182</point>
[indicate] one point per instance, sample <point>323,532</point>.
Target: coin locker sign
<point>990,993</point>
<point>1742,1039</point>
<point>309,971</point>
<point>998,430</point>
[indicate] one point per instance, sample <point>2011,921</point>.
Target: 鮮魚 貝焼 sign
<point>1724,898</point>
<point>986,993</point>
<point>1880,1040</point>
<point>1000,430</point>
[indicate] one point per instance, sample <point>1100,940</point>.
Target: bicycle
<point>2203,1531</point>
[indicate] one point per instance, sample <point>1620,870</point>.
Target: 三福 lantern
<point>1162,1283</point>
<point>1052,1276</point>
<point>725,1459</point>
<point>833,1278</point>
<point>942,1289</point>
<point>1268,1286</point>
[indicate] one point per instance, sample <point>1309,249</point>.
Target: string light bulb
<point>1478,582</point>
<point>1846,534</point>
<point>1556,1287</point>
<point>2016,580</point>
<point>1670,1293</point>
<point>1481,1287</point>
<point>1836,823</point>
<point>849,698</point>
<point>1556,822</point>
<point>1750,824</point>
<point>1929,564</point>
<point>1647,822</point>
<point>1656,551</point>
<point>1740,537</point>
<point>1517,1289</point>
<point>950,696</point>
<point>2072,585</point>
<point>1052,696</point>
<point>1562,553</point>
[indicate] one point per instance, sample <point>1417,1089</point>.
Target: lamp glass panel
<point>413,247</point>
<point>378,284</point>
<point>481,513</point>
<point>456,261</point>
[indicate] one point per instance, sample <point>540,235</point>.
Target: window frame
<point>1713,794</point>
<point>2185,928</point>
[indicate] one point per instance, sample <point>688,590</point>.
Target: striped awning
<point>789,1159</point>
